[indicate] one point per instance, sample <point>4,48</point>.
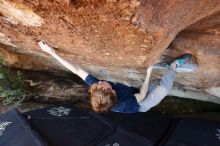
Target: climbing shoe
<point>182,64</point>
<point>182,60</point>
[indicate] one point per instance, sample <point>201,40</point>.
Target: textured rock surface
<point>116,39</point>
<point>203,40</point>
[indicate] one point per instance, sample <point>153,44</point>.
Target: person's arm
<point>72,67</point>
<point>144,89</point>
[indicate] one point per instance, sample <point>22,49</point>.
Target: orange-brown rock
<point>116,39</point>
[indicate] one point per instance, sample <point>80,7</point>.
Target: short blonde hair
<point>100,99</point>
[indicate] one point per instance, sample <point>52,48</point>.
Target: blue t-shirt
<point>127,102</point>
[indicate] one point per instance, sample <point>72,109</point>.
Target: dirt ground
<point>173,106</point>
<point>56,88</point>
<point>180,106</point>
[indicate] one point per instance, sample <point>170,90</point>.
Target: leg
<point>154,97</point>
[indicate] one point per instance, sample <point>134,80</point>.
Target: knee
<point>162,91</point>
<point>165,91</point>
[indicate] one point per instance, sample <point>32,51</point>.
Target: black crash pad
<point>88,128</point>
<point>15,131</point>
<point>194,132</point>
<point>66,125</point>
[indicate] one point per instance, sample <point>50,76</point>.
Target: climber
<point>110,96</point>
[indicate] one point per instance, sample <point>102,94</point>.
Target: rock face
<point>203,40</point>
<point>117,39</point>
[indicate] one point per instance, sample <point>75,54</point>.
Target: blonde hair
<point>100,99</point>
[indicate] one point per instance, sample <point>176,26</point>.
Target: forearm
<point>76,69</point>
<point>144,89</point>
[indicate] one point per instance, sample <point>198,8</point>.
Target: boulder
<point>116,39</point>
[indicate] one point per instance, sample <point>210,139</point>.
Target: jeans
<point>157,93</point>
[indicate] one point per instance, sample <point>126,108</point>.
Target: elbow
<point>139,97</point>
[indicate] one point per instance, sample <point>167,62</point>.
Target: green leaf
<point>12,87</point>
